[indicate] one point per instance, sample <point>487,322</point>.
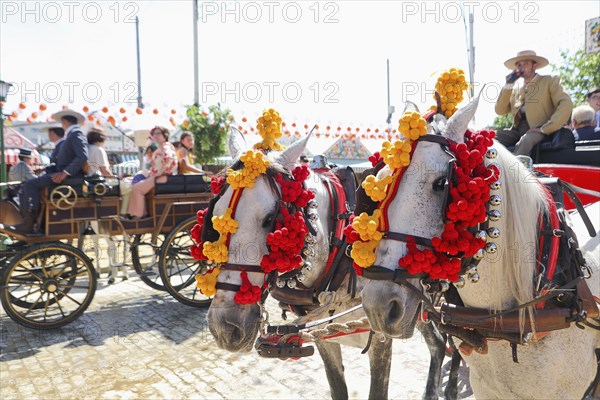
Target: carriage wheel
<point>178,268</point>
<point>47,286</point>
<point>145,255</point>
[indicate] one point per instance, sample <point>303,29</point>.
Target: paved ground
<point>135,342</point>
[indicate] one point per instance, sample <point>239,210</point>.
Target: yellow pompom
<point>366,226</point>
<point>376,188</point>
<point>363,253</point>
<point>396,155</point>
<point>207,282</point>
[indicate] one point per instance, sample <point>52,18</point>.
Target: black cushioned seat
<point>184,184</point>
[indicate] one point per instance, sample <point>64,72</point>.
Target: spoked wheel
<point>178,268</point>
<point>47,286</point>
<point>145,255</point>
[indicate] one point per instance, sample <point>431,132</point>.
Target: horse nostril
<point>395,312</point>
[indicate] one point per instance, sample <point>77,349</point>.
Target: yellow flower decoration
<point>207,282</point>
<point>224,224</point>
<point>254,165</point>
<point>376,188</point>
<point>396,155</point>
<point>450,85</point>
<point>216,251</point>
<point>366,226</point>
<point>412,126</point>
<point>269,128</point>
<point>363,253</point>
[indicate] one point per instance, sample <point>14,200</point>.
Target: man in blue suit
<point>70,161</point>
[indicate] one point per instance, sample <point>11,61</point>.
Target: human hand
<point>513,76</point>
<point>59,177</point>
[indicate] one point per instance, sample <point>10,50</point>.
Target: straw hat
<point>511,63</point>
<point>68,112</point>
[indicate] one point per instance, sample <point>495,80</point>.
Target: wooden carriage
<point>47,283</point>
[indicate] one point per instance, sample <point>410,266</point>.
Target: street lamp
<point>4,87</point>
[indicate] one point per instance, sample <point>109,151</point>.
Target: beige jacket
<point>547,106</point>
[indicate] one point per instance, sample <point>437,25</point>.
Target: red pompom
<point>248,293</point>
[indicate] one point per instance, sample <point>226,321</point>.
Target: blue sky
<point>316,62</point>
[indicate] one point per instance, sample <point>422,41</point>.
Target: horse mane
<point>523,200</point>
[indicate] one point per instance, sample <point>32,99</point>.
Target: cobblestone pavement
<point>136,342</point>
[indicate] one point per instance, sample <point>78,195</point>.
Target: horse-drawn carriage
<point>46,282</point>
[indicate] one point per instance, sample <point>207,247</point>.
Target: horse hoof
<point>111,280</point>
<point>125,278</point>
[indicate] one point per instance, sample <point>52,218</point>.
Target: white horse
<point>561,365</point>
<point>235,327</point>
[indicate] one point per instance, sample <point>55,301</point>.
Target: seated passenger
<point>584,122</point>
<point>185,155</point>
<point>21,172</point>
<point>164,162</point>
<point>98,160</point>
<point>70,161</point>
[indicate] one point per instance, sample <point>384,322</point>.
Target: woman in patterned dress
<point>164,162</point>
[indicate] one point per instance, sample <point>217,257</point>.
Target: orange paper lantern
<point>42,107</point>
<point>173,111</point>
<point>138,111</point>
<point>155,111</point>
<point>104,109</point>
<point>86,109</point>
<point>122,110</point>
<point>22,106</point>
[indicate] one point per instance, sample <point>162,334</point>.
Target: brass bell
<point>479,255</point>
<point>496,185</point>
<point>491,248</point>
<point>472,270</point>
<point>310,239</point>
<point>309,251</point>
<point>491,153</point>
<point>494,215</point>
<point>481,235</point>
<point>474,278</point>
<point>313,204</point>
<point>280,283</point>
<point>495,200</point>
<point>313,217</point>
<point>307,267</point>
<point>292,284</point>
<point>460,283</point>
<point>301,277</point>
<point>494,232</point>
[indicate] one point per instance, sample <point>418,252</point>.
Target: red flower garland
<point>285,243</point>
<point>467,209</point>
<point>293,191</point>
<point>248,293</point>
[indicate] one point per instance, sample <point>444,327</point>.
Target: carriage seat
<point>184,184</point>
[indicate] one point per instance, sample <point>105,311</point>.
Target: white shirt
<point>97,158</point>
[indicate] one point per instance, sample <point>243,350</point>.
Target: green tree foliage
<point>210,131</point>
<point>578,72</point>
<point>502,122</point>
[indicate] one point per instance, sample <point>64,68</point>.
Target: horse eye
<point>439,184</point>
<point>268,222</point>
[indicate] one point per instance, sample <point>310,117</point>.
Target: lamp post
<point>4,87</point>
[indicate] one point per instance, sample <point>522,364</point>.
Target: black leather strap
<point>241,268</point>
<point>227,286</point>
<point>570,191</point>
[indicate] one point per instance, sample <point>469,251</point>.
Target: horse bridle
<point>400,275</point>
<point>209,233</point>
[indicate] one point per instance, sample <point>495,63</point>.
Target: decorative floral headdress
<point>287,240</point>
<point>468,194</point>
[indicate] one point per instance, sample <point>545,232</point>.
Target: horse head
<point>418,210</point>
<point>259,208</point>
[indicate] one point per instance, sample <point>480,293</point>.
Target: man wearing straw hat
<point>539,104</point>
<point>70,161</point>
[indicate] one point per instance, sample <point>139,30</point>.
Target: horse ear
<point>410,106</point>
<point>290,155</point>
<point>458,123</point>
<point>237,143</point>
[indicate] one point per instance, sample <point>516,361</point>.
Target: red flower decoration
<point>216,184</point>
<point>375,159</point>
<point>293,191</point>
<point>248,293</point>
<point>286,243</point>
